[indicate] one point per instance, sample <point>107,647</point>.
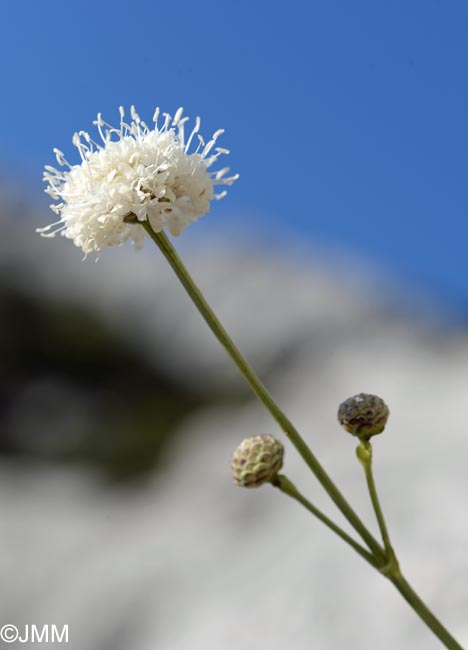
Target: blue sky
<point>348,121</point>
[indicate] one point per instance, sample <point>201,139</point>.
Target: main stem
<point>424,613</point>
<point>259,389</point>
<point>312,462</point>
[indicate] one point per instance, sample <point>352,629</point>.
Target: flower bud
<point>257,460</point>
<point>363,415</point>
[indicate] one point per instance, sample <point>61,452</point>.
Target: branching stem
<point>382,558</point>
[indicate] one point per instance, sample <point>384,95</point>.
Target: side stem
<point>364,454</point>
<point>287,487</point>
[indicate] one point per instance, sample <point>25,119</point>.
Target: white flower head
<point>138,172</point>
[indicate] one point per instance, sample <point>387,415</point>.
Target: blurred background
<point>337,262</point>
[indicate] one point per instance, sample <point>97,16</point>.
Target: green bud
<point>257,460</point>
<point>363,415</point>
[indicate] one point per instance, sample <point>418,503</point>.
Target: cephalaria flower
<point>136,173</point>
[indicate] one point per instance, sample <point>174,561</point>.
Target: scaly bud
<point>363,415</point>
<point>257,460</point>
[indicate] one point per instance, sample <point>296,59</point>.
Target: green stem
<point>380,555</point>
<point>364,454</point>
<point>259,389</point>
<point>392,570</point>
<point>424,612</point>
<point>284,484</point>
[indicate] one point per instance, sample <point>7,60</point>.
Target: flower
<point>137,172</point>
<point>257,460</point>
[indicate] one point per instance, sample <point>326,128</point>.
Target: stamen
<point>221,173</point>
<point>195,130</point>
<point>167,121</point>
<point>211,143</point>
<point>99,123</point>
<point>181,130</point>
<point>134,114</point>
<point>61,158</point>
<point>177,116</point>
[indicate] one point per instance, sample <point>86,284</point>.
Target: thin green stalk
<point>287,487</point>
<point>364,454</point>
<point>259,389</point>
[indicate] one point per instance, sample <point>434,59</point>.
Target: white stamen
<point>177,116</point>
